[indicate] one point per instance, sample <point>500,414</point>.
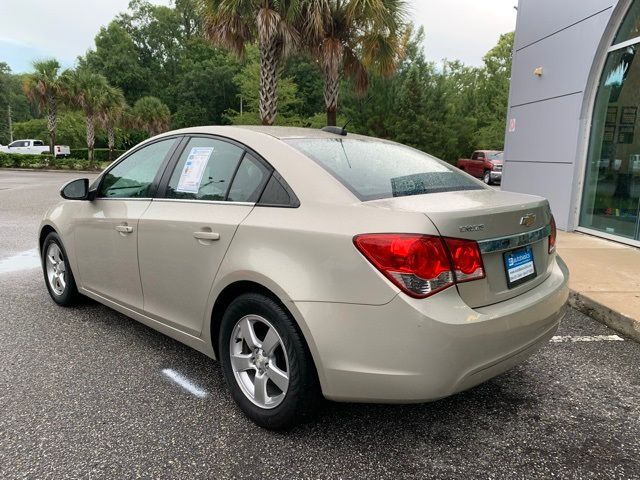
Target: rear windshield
<point>374,169</point>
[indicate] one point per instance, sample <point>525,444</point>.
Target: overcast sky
<point>64,29</point>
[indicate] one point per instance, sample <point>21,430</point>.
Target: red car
<point>484,164</point>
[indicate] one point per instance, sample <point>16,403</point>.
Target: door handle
<point>212,236</point>
<point>124,228</point>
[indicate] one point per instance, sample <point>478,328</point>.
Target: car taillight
<point>466,258</point>
<point>552,236</point>
<point>421,265</point>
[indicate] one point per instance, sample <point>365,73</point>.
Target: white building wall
<point>543,151</point>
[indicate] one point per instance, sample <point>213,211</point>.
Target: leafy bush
<point>13,160</point>
<point>99,154</point>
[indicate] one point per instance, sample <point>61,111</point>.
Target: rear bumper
<point>420,350</point>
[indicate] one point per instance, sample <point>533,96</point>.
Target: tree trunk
<point>332,118</point>
<point>111,139</point>
<point>52,121</point>
<point>91,137</point>
<point>269,82</point>
<point>331,91</point>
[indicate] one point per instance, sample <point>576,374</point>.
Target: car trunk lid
<point>502,223</point>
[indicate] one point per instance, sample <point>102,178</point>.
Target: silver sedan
<point>312,263</point>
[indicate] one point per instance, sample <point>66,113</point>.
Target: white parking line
<point>587,338</point>
<point>184,382</point>
<point>20,261</point>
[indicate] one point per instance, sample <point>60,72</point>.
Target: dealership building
<point>573,132</point>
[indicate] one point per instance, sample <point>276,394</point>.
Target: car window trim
<point>212,202</point>
<point>159,174</point>
<point>233,175</point>
<point>161,191</point>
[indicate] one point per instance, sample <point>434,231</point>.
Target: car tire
<point>58,276</point>
<point>248,357</point>
<point>487,177</point>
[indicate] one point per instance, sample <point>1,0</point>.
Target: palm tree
<point>88,91</point>
<point>357,36</point>
<point>111,113</point>
<point>231,24</point>
<point>150,115</point>
<point>44,88</point>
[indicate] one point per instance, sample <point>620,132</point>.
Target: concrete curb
<point>627,326</point>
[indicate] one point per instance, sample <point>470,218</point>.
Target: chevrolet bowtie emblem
<point>528,220</point>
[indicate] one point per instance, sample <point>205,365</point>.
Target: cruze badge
<point>528,220</point>
<point>471,228</point>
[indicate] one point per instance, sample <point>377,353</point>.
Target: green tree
<point>116,57</point>
<point>413,126</point>
<point>150,115</point>
<point>87,91</point>
<point>157,31</point>
<point>191,96</point>
<point>493,93</point>
<point>248,82</point>
<point>44,88</point>
<point>355,36</point>
<point>110,113</point>
<point>306,74</point>
<point>273,24</point>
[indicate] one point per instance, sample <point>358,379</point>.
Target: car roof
<point>281,133</point>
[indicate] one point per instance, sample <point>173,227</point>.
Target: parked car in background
<point>312,263</point>
<point>34,147</point>
<point>484,164</point>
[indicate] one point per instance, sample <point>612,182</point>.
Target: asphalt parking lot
<point>89,393</point>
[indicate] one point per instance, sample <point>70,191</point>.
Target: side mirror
<point>76,190</point>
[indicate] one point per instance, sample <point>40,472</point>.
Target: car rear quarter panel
<point>309,251</point>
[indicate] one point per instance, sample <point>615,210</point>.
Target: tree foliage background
<point>447,109</point>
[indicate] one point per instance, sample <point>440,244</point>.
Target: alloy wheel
<point>56,269</point>
<point>259,361</point>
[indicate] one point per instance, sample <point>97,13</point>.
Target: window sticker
<point>193,170</point>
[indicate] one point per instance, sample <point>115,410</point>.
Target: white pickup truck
<point>34,147</point>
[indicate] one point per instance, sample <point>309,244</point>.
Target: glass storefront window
<point>611,199</point>
<point>630,28</point>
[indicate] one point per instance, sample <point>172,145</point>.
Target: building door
<point>611,197</point>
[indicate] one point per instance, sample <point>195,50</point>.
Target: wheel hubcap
<point>56,269</point>
<point>259,361</point>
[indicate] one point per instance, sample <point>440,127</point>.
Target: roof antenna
<point>335,130</point>
<point>343,131</point>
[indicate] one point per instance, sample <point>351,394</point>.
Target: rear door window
<point>374,169</point>
<point>249,180</point>
<point>205,170</point>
